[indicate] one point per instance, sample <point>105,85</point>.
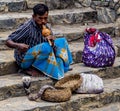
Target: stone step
<point>110,107</point>
<point>77,102</point>
<point>72,33</point>
<point>11,84</point>
<point>8,65</point>
<point>32,3</point>
<point>66,16</point>
<point>21,5</point>
<point>7,62</point>
<point>12,5</point>
<point>56,4</point>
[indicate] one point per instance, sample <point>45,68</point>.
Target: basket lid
<point>72,81</point>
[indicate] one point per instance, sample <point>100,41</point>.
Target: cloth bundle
<point>98,49</point>
<point>92,84</point>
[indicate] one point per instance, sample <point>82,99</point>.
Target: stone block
<point>3,7</point>
<point>17,6</point>
<point>86,3</point>
<point>32,3</point>
<point>7,23</point>
<point>106,15</point>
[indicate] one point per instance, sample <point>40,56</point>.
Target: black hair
<point>40,9</point>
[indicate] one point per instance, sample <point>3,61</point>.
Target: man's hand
<point>22,47</point>
<point>50,37</point>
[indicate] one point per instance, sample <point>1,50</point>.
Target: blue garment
<point>28,33</point>
<point>44,59</point>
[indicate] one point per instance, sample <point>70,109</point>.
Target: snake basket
<point>72,81</point>
<point>57,95</point>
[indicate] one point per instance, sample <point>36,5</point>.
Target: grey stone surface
<point>11,85</point>
<point>71,16</point>
<point>17,6</point>
<point>118,11</point>
<point>106,15</point>
<point>13,20</point>
<point>8,65</point>
<point>2,7</point>
<point>7,62</point>
<point>11,88</point>
<point>110,107</point>
<point>66,16</point>
<point>71,32</point>
<point>13,5</point>
<point>60,4</point>
<point>20,5</point>
<point>32,3</point>
<point>117,23</point>
<point>86,3</point>
<point>76,103</point>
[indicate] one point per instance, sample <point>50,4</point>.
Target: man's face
<point>41,20</point>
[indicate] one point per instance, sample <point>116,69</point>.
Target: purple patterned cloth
<point>102,53</point>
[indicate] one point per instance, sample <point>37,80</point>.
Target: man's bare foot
<point>70,69</point>
<point>34,72</point>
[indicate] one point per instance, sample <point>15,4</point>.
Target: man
<point>32,51</point>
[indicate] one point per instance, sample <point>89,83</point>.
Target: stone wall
<point>108,11</point>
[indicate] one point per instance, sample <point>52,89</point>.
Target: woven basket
<point>70,81</point>
<point>56,95</point>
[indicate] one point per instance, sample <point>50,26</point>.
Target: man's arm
<point>20,46</point>
<point>15,38</point>
<point>12,44</point>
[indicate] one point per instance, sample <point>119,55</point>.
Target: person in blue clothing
<point>33,53</point>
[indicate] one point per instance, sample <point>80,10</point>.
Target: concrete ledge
<point>110,107</point>
<point>13,5</point>
<point>71,32</point>
<point>66,16</point>
<point>7,62</point>
<point>77,102</point>
<point>11,85</point>
<point>8,65</point>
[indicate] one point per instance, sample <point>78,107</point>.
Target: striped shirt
<point>28,33</point>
